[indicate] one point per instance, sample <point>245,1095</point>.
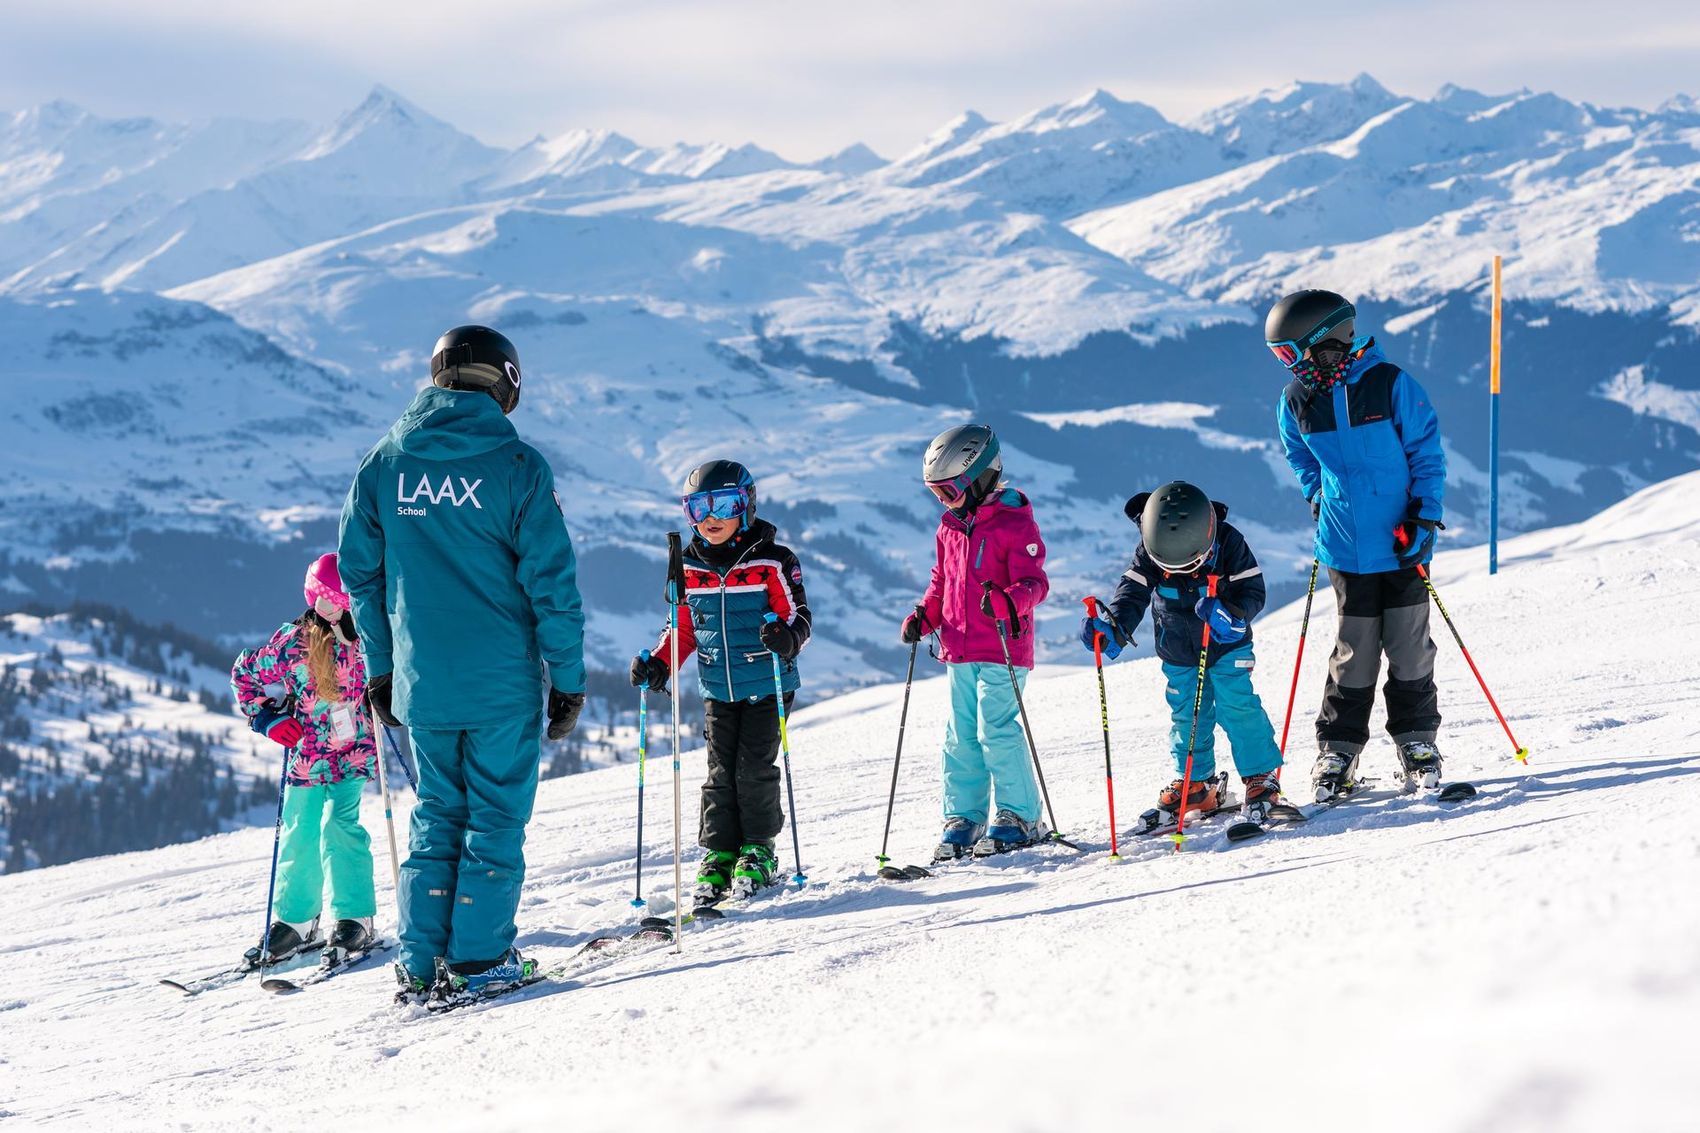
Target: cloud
<point>808,79</point>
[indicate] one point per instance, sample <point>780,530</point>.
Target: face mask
<point>1325,366</point>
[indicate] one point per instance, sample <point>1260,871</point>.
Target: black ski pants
<point>740,798</point>
<point>1379,613</point>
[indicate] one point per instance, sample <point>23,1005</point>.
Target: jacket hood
<point>445,424</point>
<point>1135,508</point>
<point>1367,359</point>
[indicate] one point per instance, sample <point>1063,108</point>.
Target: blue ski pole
<point>262,954</point>
<point>643,748</point>
<point>785,748</point>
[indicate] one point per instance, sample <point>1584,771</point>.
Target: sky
<point>808,78</point>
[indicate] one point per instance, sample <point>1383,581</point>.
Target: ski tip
<point>174,986</point>
<point>280,987</point>
<point>892,873</point>
<point>709,915</point>
<point>1457,792</point>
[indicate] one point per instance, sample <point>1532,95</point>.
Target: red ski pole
<point>1522,752</point>
<point>1104,718</point>
<point>1192,738</point>
<point>1293,692</point>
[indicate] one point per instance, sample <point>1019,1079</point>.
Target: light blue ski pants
<point>1229,700</point>
<point>984,746</point>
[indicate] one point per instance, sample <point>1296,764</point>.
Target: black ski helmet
<point>1305,318</point>
<point>964,464</point>
<point>475,357</point>
<point>723,475</point>
<point>1178,526</point>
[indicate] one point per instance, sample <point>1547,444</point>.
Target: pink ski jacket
<point>999,543</point>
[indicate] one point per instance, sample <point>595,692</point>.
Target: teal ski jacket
<point>458,562</point>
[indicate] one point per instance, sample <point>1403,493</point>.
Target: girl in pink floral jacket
<point>305,689</point>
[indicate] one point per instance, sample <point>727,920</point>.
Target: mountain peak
<point>384,120</point>
<point>853,160</point>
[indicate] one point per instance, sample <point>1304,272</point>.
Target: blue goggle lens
<point>721,503</point>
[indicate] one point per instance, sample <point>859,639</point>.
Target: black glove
<point>1316,508</point>
<point>564,708</point>
<point>378,696</point>
<point>1008,613</point>
<point>780,638</point>
<point>651,672</point>
<point>1413,537</point>
<point>914,626</point>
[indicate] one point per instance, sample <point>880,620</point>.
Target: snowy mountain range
<point>210,322</point>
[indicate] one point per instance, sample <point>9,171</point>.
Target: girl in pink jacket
<point>987,534</point>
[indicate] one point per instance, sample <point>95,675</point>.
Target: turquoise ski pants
<point>322,835</point>
<point>1229,700</point>
<point>984,746</point>
<point>466,862</point>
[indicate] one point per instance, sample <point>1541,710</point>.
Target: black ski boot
<point>1335,775</point>
<point>1421,761</point>
<point>350,935</point>
<point>284,940</point>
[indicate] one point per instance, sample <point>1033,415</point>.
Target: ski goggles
<point>952,492</point>
<point>720,503</point>
<point>1289,351</point>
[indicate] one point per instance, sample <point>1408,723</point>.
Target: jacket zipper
<point>725,635</point>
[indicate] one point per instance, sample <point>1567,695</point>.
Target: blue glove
<point>1225,626</point>
<point>1114,639</point>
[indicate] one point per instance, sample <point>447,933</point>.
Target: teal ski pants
<point>466,861</point>
<point>1230,700</point>
<point>984,747</point>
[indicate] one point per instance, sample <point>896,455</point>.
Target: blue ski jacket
<point>1370,446</point>
<point>459,566</point>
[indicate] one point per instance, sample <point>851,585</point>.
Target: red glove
<point>286,730</point>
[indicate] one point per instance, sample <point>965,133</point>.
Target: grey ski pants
<point>1379,613</point>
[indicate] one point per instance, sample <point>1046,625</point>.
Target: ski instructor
<point>463,582</point>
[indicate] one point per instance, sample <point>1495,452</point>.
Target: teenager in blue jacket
<point>464,587</point>
<point>1362,437</point>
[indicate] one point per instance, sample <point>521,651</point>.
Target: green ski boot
<point>756,869</point>
<point>714,876</point>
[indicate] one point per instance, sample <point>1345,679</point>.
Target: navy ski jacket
<point>1173,597</point>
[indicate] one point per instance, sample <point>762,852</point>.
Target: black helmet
<point>1305,318</point>
<point>1178,526</point>
<point>474,357</point>
<point>721,488</point>
<point>962,465</point>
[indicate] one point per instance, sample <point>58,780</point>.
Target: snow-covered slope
<point>1521,962</point>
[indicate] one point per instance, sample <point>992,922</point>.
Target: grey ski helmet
<point>1178,527</point>
<point>478,358</point>
<point>721,488</point>
<point>962,465</point>
<point>1305,318</point>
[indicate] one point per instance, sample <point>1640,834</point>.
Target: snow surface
<point>1525,962</point>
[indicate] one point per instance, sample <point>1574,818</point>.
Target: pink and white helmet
<point>323,588</point>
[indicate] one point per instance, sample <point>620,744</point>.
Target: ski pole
<point>1192,737</point>
<point>389,816</point>
<point>271,883</point>
<point>1522,752</point>
<point>643,747</point>
<point>902,723</point>
<point>1293,693</point>
<point>1008,663</point>
<point>407,772</point>
<point>675,595</point>
<point>1104,718</point>
<point>799,877</point>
